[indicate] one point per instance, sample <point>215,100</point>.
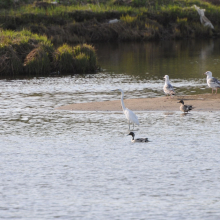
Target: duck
<point>168,88</point>
<point>137,139</point>
<point>185,108</point>
<point>212,82</point>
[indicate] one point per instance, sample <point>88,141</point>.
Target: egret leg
<point>216,90</point>
<point>212,91</point>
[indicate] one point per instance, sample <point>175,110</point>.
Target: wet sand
<point>202,102</point>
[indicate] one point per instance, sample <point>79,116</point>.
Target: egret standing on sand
<point>168,88</point>
<point>131,117</point>
<point>212,82</point>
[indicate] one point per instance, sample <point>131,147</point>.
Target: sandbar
<point>201,102</point>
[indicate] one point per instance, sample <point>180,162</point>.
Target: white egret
<point>203,19</point>
<point>137,139</point>
<point>185,108</point>
<point>212,82</point>
<point>168,88</point>
<point>131,117</point>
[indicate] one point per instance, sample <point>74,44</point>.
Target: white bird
<point>185,108</point>
<point>137,139</point>
<point>168,88</point>
<point>212,82</point>
<point>113,21</point>
<point>203,19</point>
<point>131,117</point>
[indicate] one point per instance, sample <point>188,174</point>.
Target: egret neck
<point>122,101</point>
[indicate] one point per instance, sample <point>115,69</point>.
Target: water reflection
<point>180,59</point>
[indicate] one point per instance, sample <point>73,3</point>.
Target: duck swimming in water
<point>185,108</point>
<point>137,139</point>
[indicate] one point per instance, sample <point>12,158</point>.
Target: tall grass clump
<point>128,18</point>
<point>15,46</point>
<point>37,62</point>
<point>10,62</point>
<point>32,54</point>
<point>79,59</point>
<point>64,59</point>
<point>85,58</point>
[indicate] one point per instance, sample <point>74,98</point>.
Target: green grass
<point>55,27</point>
<point>9,37</point>
<point>26,53</point>
<point>37,62</point>
<point>79,59</point>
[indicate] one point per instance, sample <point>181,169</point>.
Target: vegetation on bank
<point>25,53</point>
<point>137,20</point>
<point>36,38</point>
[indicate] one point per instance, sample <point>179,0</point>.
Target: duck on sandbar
<point>185,108</point>
<point>137,139</point>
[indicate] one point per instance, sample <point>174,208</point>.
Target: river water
<point>82,165</point>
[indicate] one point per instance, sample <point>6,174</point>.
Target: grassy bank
<point>34,38</point>
<point>137,20</point>
<point>25,53</point>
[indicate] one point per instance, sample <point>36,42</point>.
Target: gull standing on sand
<point>131,117</point>
<point>212,82</point>
<point>185,108</point>
<point>168,88</point>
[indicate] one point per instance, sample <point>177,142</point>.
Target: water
<point>81,165</point>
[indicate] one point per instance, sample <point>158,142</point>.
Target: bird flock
<point>168,89</point>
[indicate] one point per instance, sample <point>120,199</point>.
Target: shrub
<point>89,52</point>
<point>128,18</point>
<point>64,59</point>
<point>82,63</point>
<point>10,62</point>
<point>37,62</point>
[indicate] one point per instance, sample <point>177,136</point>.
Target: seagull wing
<point>213,82</point>
<point>168,88</point>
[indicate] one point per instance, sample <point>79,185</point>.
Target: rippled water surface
<point>82,165</point>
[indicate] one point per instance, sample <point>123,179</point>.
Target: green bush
<point>79,59</point>
<point>37,62</point>
<point>64,59</point>
<point>89,52</point>
<point>82,63</point>
<point>10,62</point>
